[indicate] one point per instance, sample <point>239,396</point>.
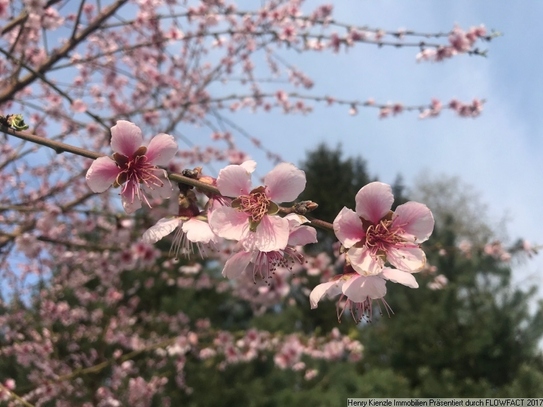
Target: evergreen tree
<point>332,182</point>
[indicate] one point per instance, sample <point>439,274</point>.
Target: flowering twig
<point>14,396</point>
<point>60,148</point>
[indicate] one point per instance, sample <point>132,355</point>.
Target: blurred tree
<point>332,182</point>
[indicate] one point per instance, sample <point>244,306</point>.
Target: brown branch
<point>63,147</point>
<point>55,145</point>
<point>14,396</point>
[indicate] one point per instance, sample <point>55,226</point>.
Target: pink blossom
<point>310,374</point>
<point>528,248</point>
<point>189,230</point>
<point>252,218</point>
<point>360,290</point>
<point>264,264</point>
<point>79,106</point>
<point>4,8</point>
<point>290,353</point>
<point>134,167</point>
<point>374,234</point>
<point>438,283</point>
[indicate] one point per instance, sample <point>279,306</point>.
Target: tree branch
<point>63,147</point>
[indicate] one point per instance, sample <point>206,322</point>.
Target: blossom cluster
<point>460,42</point>
<point>379,244</point>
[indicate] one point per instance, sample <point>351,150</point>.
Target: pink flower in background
<point>439,282</point>
<point>360,290</point>
<point>374,234</point>
<point>134,167</point>
<point>252,219</point>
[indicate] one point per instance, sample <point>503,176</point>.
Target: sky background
<point>499,153</point>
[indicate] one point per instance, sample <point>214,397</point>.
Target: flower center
<point>380,237</point>
<point>136,169</point>
<point>256,205</point>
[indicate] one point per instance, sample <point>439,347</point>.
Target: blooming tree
<point>94,81</point>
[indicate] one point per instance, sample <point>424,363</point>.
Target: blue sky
<point>500,153</point>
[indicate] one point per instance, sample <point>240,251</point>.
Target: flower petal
<point>373,201</point>
<point>236,264</point>
<point>249,165</point>
<point>234,180</point>
<point>410,259</point>
<point>295,220</point>
<point>126,138</point>
<point>271,234</point>
<point>229,223</point>
<point>163,191</point>
<point>359,288</point>
<point>398,276</point>
<point>161,149</point>
<point>348,228</point>
<point>331,288</point>
<point>130,205</point>
<point>101,174</point>
<point>162,228</point>
<point>415,219</point>
<point>364,262</point>
<point>302,235</point>
<point>198,231</point>
<point>284,183</point>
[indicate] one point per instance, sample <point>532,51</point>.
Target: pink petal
<point>161,149</point>
<point>410,259</point>
<point>229,223</point>
<point>332,288</point>
<point>348,228</point>
<point>162,228</point>
<point>359,288</point>
<point>398,276</point>
<point>295,220</point>
<point>363,262</point>
<point>198,231</point>
<point>130,205</point>
<point>284,183</point>
<point>415,219</point>
<point>249,165</point>
<point>234,180</point>
<point>101,174</point>
<point>271,234</point>
<point>302,235</point>
<point>373,201</point>
<point>236,264</point>
<point>164,191</point>
<point>126,138</point>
